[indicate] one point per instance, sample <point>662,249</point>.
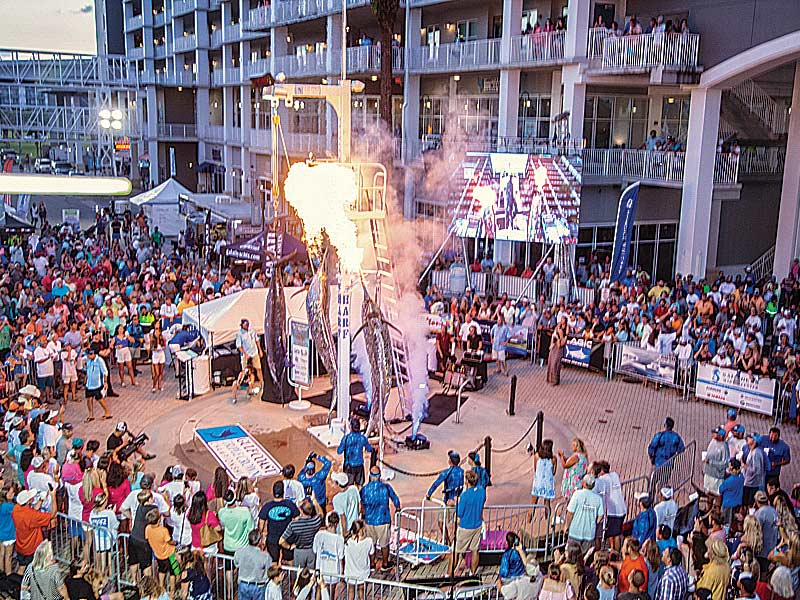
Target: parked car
<point>61,167</point>
<point>42,165</point>
<point>9,154</point>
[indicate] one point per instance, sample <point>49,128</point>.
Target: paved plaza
<point>616,420</point>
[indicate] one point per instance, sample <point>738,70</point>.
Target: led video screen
<point>521,198</point>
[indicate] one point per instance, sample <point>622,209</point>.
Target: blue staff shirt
<point>375,497</point>
<point>664,445</point>
<point>315,483</point>
<point>453,480</point>
<point>511,565</point>
<point>470,508</point>
<point>352,446</point>
<point>644,525</point>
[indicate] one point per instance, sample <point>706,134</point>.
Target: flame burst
<point>321,194</point>
<point>485,195</point>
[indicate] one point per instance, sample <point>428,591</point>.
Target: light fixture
<point>105,123</point>
<point>116,124</point>
<point>324,81</point>
<point>216,104</point>
<point>456,77</point>
<point>634,109</point>
<point>180,88</point>
<point>374,78</point>
<point>670,100</point>
<point>190,164</point>
<point>527,103</point>
<point>288,38</point>
<point>448,25</point>
<point>116,114</point>
<point>105,114</point>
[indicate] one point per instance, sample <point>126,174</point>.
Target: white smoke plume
<point>361,363</point>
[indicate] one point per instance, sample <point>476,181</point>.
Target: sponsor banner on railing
<point>735,388</point>
<point>646,363</point>
<point>238,452</point>
<point>577,352</point>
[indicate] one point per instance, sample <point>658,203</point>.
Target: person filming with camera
<point>314,481</point>
<point>124,448</point>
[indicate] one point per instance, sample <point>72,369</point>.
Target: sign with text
<point>238,452</point>
<point>641,362</point>
<point>736,388</point>
<point>577,352</point>
<point>71,216</point>
<point>299,353</point>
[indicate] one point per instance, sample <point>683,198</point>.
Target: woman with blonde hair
<point>716,575</point>
<point>752,537</point>
<point>43,579</point>
<point>786,519</point>
<point>150,588</point>
<point>574,468</point>
<point>247,496</point>
<point>781,584</point>
<point>787,553</point>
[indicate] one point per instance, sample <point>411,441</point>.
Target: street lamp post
<point>111,121</point>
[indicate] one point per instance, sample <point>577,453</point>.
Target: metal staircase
<point>773,116</point>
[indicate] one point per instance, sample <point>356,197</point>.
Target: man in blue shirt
<point>353,446</point>
<point>470,521</point>
<point>644,525</point>
<point>313,481</point>
<point>452,478</point>
<point>484,479</point>
<point>96,378</point>
<point>375,498</point>
<point>778,453</point>
<point>665,444</point>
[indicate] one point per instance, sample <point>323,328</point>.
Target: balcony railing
<point>259,18</point>
<point>160,18</point>
<point>256,68</point>
<point>218,77</point>
<point>652,166</point>
<point>367,59</point>
<point>261,139</point>
<point>762,161</point>
<point>215,133</point>
<point>233,33</point>
<point>177,130</point>
<point>185,43</point>
<point>646,51</point>
<point>136,53</point>
<point>161,51</point>
<point>478,54</point>
<point>292,10</point>
<point>134,22</point>
<point>306,65</point>
<point>539,48</point>
<point>236,136</point>
<point>181,7</point>
<point>303,143</point>
<point>216,38</point>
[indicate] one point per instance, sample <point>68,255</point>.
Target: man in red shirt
<point>30,523</point>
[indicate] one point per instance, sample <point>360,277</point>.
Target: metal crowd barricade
<point>73,539</point>
<point>630,489</point>
<point>677,472</point>
<point>558,524</point>
<point>650,367</point>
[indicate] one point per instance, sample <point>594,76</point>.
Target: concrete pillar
<point>713,234</point>
<point>555,93</point>
<point>508,115</point>
<point>278,47</point>
<point>333,41</point>
<point>574,100</point>
<point>786,241</point>
<point>411,118</point>
<point>228,111</point>
<point>654,110</point>
<point>512,18</point>
<point>452,98</point>
<point>698,182</point>
<point>577,38</point>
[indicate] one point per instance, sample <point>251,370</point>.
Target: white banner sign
<point>735,388</point>
<point>300,352</point>
<point>71,216</point>
<point>238,452</point>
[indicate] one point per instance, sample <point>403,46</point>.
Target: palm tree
<point>385,12</point>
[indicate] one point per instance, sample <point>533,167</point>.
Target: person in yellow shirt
<point>658,289</point>
<point>186,302</point>
<point>162,544</point>
<point>717,573</point>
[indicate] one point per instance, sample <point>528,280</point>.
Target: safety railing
<point>259,17</point>
<point>632,488</point>
<point>652,166</point>
<point>479,282</point>
<point>677,472</point>
<point>558,525</point>
<point>775,116</point>
<point>185,43</point>
<point>761,267</point>
<point>477,54</point>
<point>641,52</point>
<point>762,160</point>
<point>629,359</point>
<point>304,65</point>
<point>216,38</point>
<point>181,7</point>
<point>285,11</point>
<point>538,48</point>
<point>134,22</point>
<point>516,287</point>
<point>258,67</point>
<point>73,539</point>
<point>177,130</point>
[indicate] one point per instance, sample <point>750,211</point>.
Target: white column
<point>512,19</point>
<point>654,109</point>
<point>411,104</point>
<point>555,93</point>
<point>577,37</point>
<point>713,233</point>
<point>201,119</point>
<point>333,41</point>
<point>508,114</point>
<point>574,100</point>
<point>786,241</point>
<point>698,182</point>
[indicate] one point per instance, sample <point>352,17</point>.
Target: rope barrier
<point>518,442</point>
<point>413,474</point>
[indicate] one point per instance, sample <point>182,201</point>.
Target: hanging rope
<point>519,441</point>
<point>413,474</point>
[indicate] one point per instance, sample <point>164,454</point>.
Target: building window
<point>534,116</point>
<point>431,115</point>
<point>675,117</point>
<point>615,121</point>
<point>477,115</point>
<point>467,31</point>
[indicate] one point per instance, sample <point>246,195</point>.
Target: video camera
<point>132,446</point>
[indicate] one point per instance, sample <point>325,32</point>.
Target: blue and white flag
<point>624,231</point>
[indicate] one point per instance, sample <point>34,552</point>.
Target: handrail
<point>458,55</point>
<point>631,52</point>
<point>761,268</point>
<point>761,104</point>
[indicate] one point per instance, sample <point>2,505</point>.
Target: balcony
<point>367,59</point>
<point>215,133</point>
<point>762,161</point>
<point>640,53</point>
<point>160,18</point>
<point>160,51</point>
<point>303,143</point>
<point>182,7</point>
<point>538,49</point>
<point>218,77</point>
<point>136,53</point>
<point>216,38</point>
<point>652,167</point>
<point>134,22</point>
<point>177,130</point>
<point>233,76</point>
<point>261,139</point>
<point>311,64</point>
<point>235,136</point>
<point>259,18</point>
<point>258,67</point>
<point>463,56</point>
<point>287,11</point>
<point>233,33</point>
<point>186,43</point>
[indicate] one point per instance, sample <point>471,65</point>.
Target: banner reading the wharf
<point>736,388</point>
<point>624,231</point>
<point>239,453</point>
<point>644,363</point>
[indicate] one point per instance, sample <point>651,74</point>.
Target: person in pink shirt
<point>199,515</point>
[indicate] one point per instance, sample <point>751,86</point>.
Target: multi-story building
<point>472,75</point>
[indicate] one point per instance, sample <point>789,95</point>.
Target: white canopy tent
<point>160,204</point>
<point>220,318</point>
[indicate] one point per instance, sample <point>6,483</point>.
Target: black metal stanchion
<point>513,396</point>
<point>539,428</point>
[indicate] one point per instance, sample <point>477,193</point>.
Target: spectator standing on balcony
<point>651,144</point>
<point>633,27</point>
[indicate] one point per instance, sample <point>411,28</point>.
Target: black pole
<point>539,428</point>
<point>487,444</point>
<point>513,396</point>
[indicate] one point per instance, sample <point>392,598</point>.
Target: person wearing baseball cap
<point>665,444</point>
<point>346,501</point>
<point>584,513</point>
<point>644,525</point>
<point>755,468</point>
<point>731,422</point>
<point>667,509</point>
<point>64,443</point>
<point>48,432</point>
<point>30,523</point>
<point>715,461</point>
<point>736,441</point>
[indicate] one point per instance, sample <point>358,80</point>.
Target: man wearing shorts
<point>96,378</point>
<point>375,498</point>
<point>500,335</point>
<point>470,521</point>
<point>45,368</point>
<point>249,349</point>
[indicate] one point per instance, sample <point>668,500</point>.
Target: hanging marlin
<point>379,355</point>
<point>318,301</point>
<point>275,327</point>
